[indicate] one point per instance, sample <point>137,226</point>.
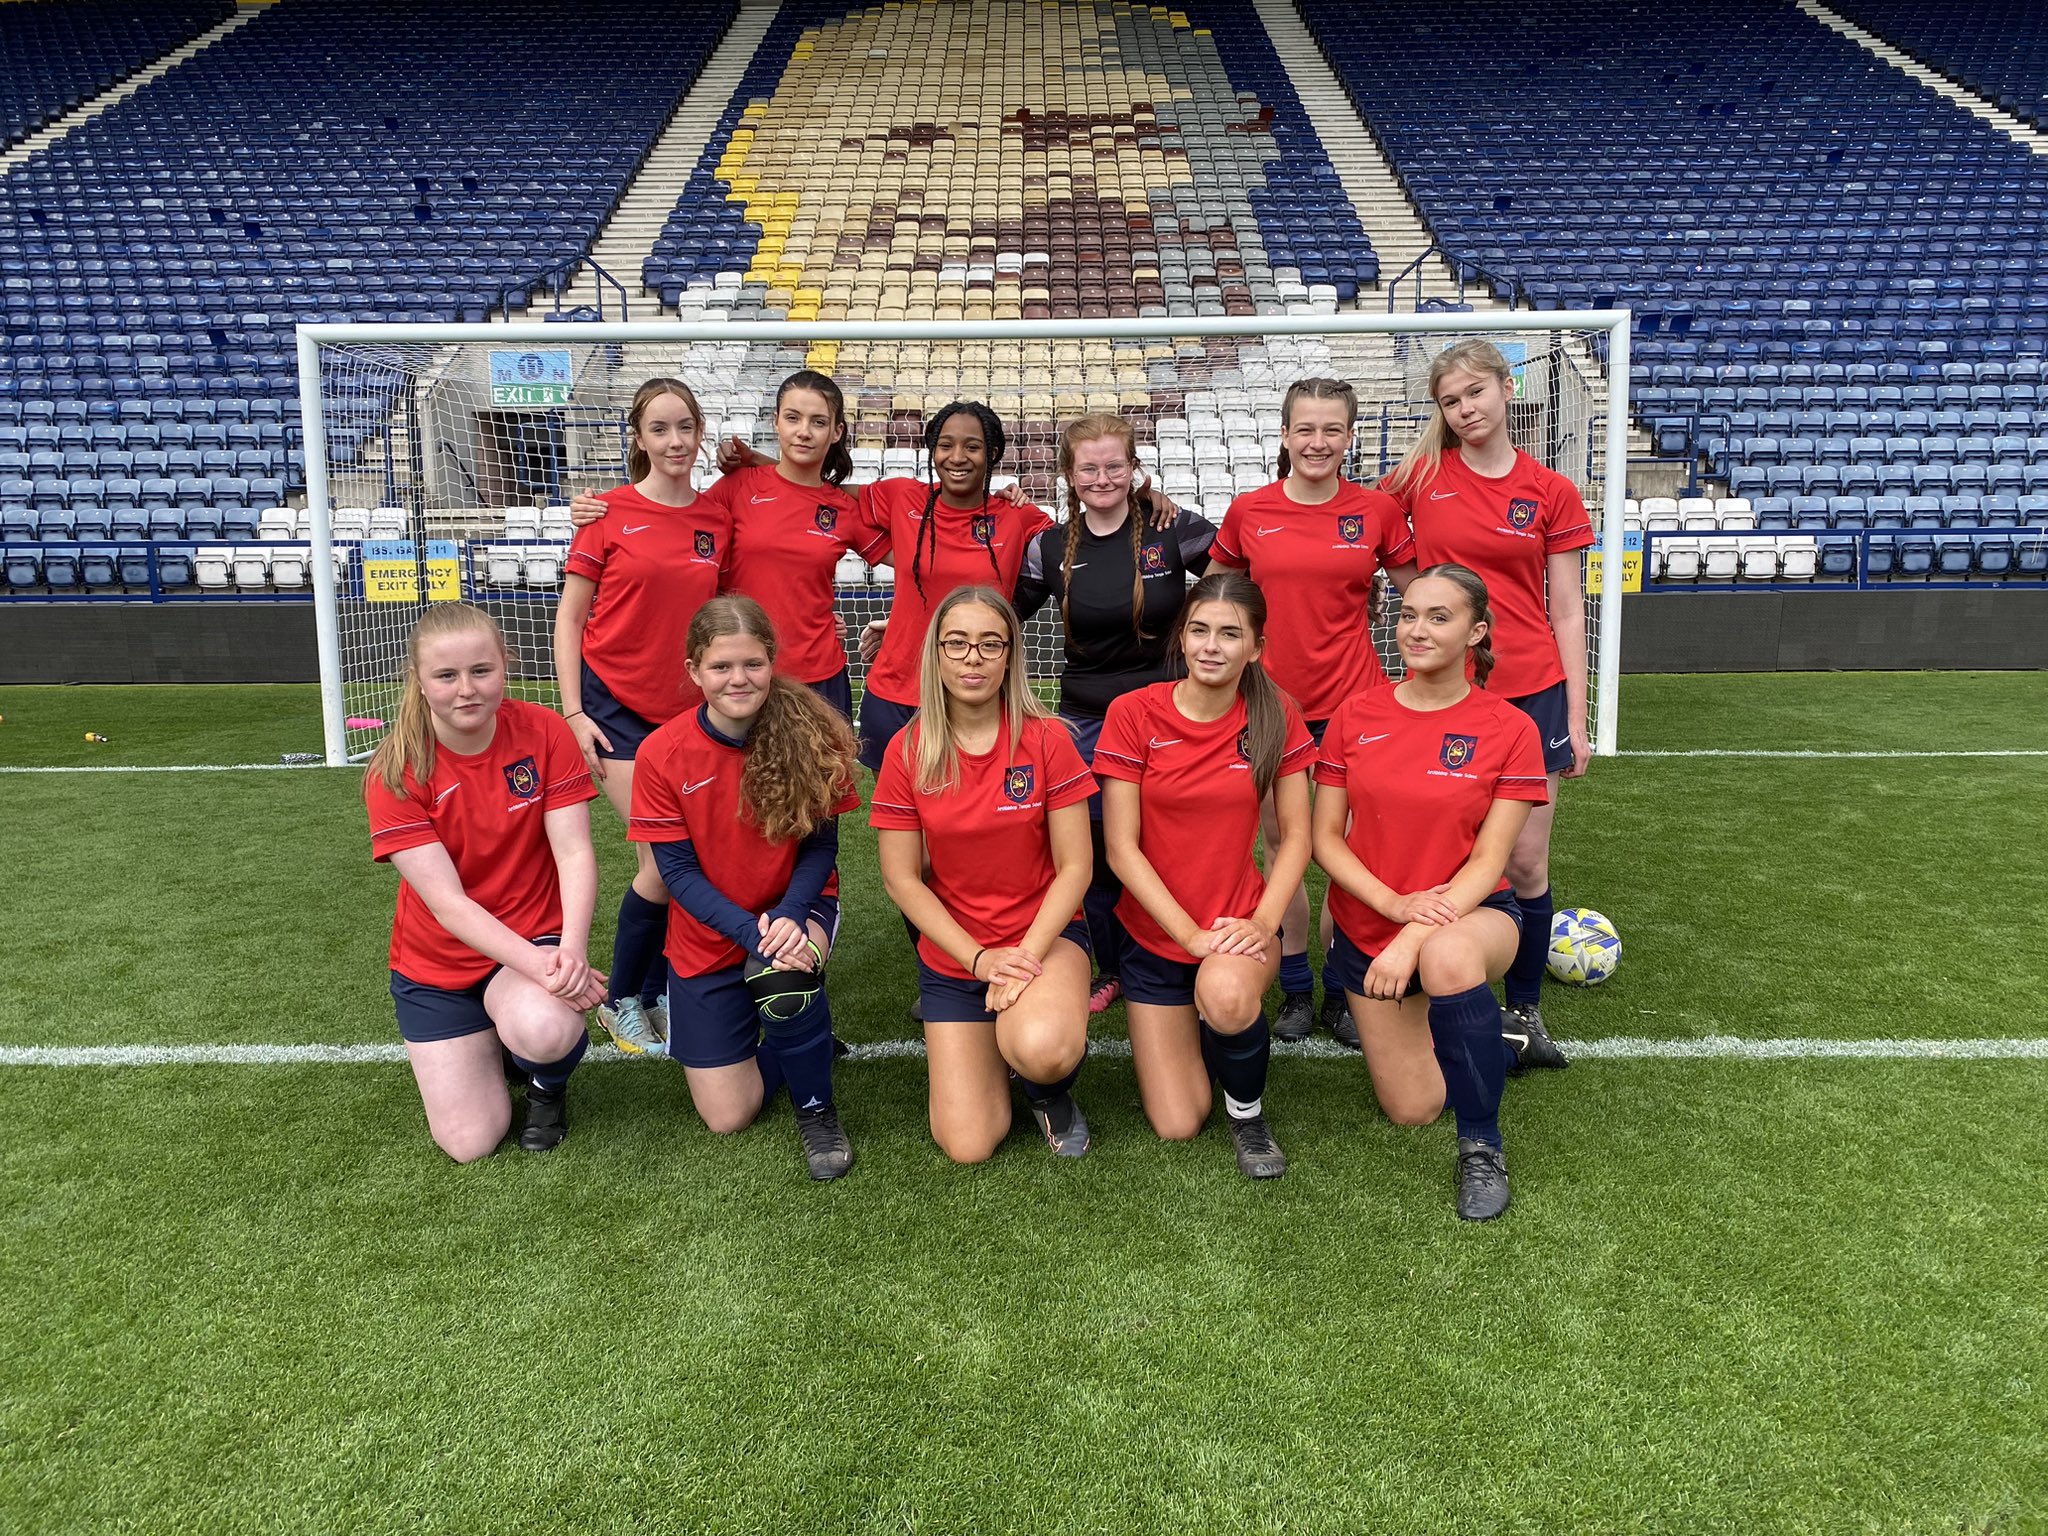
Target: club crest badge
<point>983,528</point>
<point>1350,527</point>
<point>523,778</point>
<point>1152,560</point>
<point>707,545</point>
<point>827,517</point>
<point>1521,512</point>
<point>1457,750</point>
<point>1018,783</point>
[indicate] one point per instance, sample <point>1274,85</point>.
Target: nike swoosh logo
<point>691,789</point>
<point>1077,565</point>
<point>1171,741</point>
<point>1560,741</point>
<point>1262,532</point>
<point>446,793</point>
<point>1366,741</point>
<point>757,500</point>
<point>635,527</point>
<point>1441,495</point>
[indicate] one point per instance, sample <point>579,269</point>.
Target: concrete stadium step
<point>627,239</point>
<point>113,96</point>
<point>1391,222</point>
<point>2012,127</point>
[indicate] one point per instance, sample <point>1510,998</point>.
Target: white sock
<point>1237,1111</point>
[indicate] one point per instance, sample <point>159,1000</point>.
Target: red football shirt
<point>686,788</point>
<point>986,833</point>
<point>984,548</point>
<point>1316,566</point>
<point>1506,530</point>
<point>1419,783</point>
<point>786,544</point>
<point>1199,826</point>
<point>486,809</point>
<point>654,567</point>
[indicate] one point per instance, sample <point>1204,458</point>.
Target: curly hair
<point>800,752</point>
<point>995,440</point>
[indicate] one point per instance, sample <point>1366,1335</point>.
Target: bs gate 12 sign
<point>531,378</point>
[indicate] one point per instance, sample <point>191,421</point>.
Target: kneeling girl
<point>982,811</point>
<point>482,804</point>
<point>738,800</point>
<point>1437,778</point>
<point>1184,767</point>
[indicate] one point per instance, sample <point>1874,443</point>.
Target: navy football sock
<point>803,1049</point>
<point>553,1076</point>
<point>1295,976</point>
<point>1465,1029</point>
<point>636,946</point>
<point>1098,903</point>
<point>1240,1063</point>
<point>770,1066</point>
<point>1040,1093</point>
<point>656,984</point>
<point>1525,976</point>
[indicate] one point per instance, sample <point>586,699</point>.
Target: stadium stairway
<point>2014,128</point>
<point>627,238</point>
<point>87,111</point>
<point>1389,215</point>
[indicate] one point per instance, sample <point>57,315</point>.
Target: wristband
<point>974,965</point>
<point>573,714</point>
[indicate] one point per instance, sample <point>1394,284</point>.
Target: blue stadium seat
<point>23,567</point>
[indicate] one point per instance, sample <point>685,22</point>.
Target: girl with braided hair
<point>1118,578</point>
<point>958,533</point>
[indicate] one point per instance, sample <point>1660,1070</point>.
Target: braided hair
<point>994,440</point>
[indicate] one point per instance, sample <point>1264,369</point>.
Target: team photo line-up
<point>1044,863</point>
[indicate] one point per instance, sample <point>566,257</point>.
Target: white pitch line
<point>1831,755</point>
<point>1614,1048</point>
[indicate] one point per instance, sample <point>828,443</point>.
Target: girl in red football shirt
<point>1435,779</point>
<point>738,802</point>
<point>1184,766</point>
<point>955,531</point>
<point>629,588</point>
<point>1472,497</point>
<point>982,813</point>
<point>792,520</point>
<point>1322,540</point>
<point>482,804</point>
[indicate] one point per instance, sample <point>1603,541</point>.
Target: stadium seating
<point>1140,162</point>
<point>156,259</point>
<point>1821,253</point>
<point>55,54</point>
<point>1998,48</point>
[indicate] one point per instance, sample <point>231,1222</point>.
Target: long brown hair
<point>1468,581</point>
<point>1419,465</point>
<point>1265,706</point>
<point>800,751</point>
<point>1313,389</point>
<point>937,763</point>
<point>637,463</point>
<point>410,743</point>
<point>1089,429</point>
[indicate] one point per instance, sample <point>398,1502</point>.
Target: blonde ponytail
<point>410,743</point>
<point>1418,467</point>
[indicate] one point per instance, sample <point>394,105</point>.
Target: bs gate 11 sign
<point>531,378</point>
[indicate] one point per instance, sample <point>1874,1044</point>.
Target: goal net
<point>440,458</point>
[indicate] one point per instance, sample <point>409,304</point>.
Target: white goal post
<point>438,456</point>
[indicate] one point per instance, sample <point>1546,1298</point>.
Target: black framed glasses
<point>955,648</point>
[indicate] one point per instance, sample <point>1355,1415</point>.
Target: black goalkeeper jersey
<point>1106,656</point>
